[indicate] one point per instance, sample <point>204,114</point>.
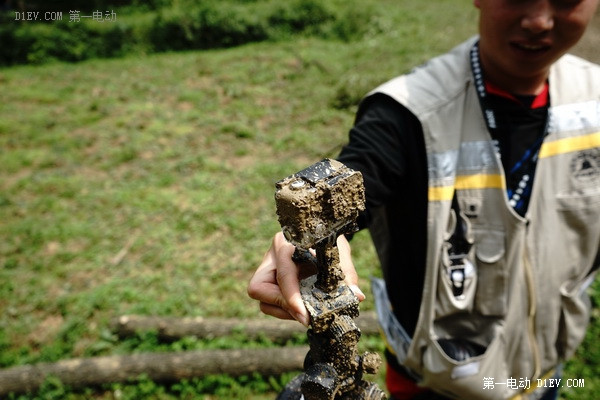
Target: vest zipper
<point>531,315</point>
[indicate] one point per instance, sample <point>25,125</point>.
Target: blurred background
<point>139,146</point>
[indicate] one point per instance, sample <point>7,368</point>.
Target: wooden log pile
<point>159,367</point>
<point>170,329</point>
<point>174,366</point>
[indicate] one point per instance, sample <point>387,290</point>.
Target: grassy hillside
<point>144,185</point>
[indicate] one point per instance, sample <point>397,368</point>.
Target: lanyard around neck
<point>523,170</point>
<point>488,111</point>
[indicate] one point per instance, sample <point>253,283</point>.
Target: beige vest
<point>524,301</point>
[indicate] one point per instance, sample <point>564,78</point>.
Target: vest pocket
<point>580,212</point>
<point>456,285</point>
<point>465,378</point>
<point>586,199</point>
<point>457,277</point>
<point>574,317</point>
<point>491,298</point>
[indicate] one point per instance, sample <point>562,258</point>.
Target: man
<point>482,176</point>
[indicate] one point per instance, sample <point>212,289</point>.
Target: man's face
<point>522,38</point>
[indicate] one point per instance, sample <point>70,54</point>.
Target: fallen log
<point>159,367</point>
<point>170,328</point>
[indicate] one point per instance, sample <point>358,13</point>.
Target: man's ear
<point>477,3</point>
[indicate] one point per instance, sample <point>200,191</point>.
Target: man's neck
<point>532,85</point>
<point>529,101</point>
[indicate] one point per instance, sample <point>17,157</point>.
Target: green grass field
<point>144,185</point>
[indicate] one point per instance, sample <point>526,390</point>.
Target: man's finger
<point>351,277</point>
<point>275,311</point>
<point>287,279</point>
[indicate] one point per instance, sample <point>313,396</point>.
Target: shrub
<point>39,43</point>
<point>300,15</point>
<point>209,25</point>
<point>185,25</point>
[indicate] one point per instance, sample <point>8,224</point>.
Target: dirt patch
<point>46,330</point>
<point>589,46</point>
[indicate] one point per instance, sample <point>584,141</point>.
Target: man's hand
<point>276,282</point>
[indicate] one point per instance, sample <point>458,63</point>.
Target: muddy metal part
<point>314,207</point>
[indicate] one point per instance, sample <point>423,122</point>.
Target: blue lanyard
<point>518,195</point>
<point>488,112</point>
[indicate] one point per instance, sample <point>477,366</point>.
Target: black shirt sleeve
<point>381,141</point>
<point>386,145</point>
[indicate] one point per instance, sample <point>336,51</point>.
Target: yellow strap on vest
<point>494,181</point>
<point>570,144</point>
<point>478,181</point>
